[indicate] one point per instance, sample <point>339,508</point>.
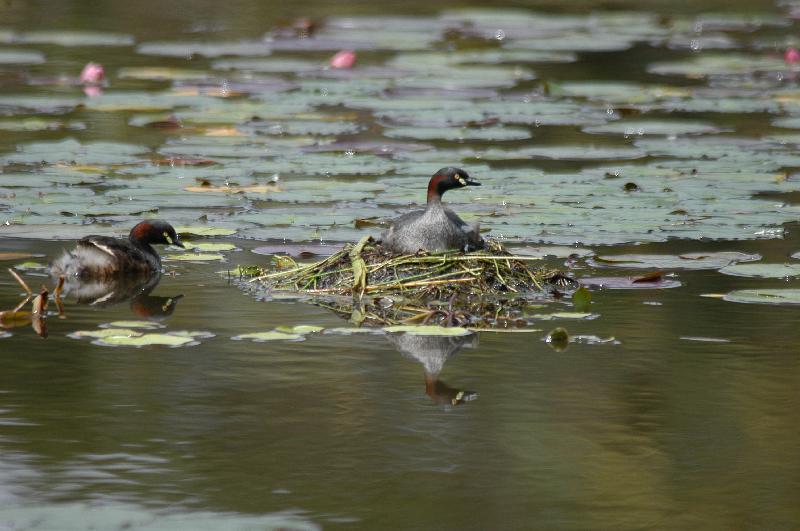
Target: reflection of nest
<point>365,281</point>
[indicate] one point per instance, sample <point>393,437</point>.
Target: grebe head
<point>447,179</point>
<point>155,231</point>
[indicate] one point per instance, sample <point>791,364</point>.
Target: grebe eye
<point>460,179</point>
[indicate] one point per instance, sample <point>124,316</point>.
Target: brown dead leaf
<point>655,276</point>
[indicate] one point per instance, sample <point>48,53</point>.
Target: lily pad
<point>628,283</point>
<point>12,255</point>
<point>653,127</point>
<point>205,231</point>
<point>565,315</point>
<point>206,247</point>
<point>706,65</point>
<point>459,133</point>
<point>351,331</point>
<point>20,57</point>
<point>143,340</point>
<point>711,260</point>
<point>762,270</point>
<point>299,329</point>
<point>74,38</point>
<point>429,330</point>
<point>764,296</point>
<point>557,251</point>
<point>205,49</point>
<point>104,332</point>
<point>298,250</point>
<point>161,73</point>
<point>150,325</point>
<point>259,337</point>
<point>193,257</point>
<point>30,266</point>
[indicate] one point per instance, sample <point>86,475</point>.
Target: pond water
<point>656,138</point>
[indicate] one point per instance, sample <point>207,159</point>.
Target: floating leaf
<point>205,247</point>
<point>565,315</point>
<point>558,339</point>
<point>710,260</point>
<point>298,250</point>
<point>705,339</point>
<point>764,296</point>
<point>594,340</point>
<point>143,340</point>
<point>652,127</point>
<point>762,270</point>
<point>582,299</point>
<point>133,324</point>
<point>12,255</point>
<point>161,73</point>
<point>74,38</point>
<point>205,231</point>
<point>628,283</point>
<point>299,329</point>
<point>193,257</point>
<point>269,336</point>
<point>557,251</point>
<point>428,330</point>
<point>21,57</point>
<point>351,331</point>
<point>104,332</point>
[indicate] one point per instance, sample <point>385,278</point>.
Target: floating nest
<point>365,283</point>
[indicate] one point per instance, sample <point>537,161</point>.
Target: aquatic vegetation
<point>450,288</point>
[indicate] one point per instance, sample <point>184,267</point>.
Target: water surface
<point>686,420</point>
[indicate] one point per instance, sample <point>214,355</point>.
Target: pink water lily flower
<point>343,59</point>
<point>792,55</point>
<point>92,74</point>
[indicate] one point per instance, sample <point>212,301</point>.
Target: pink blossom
<point>92,74</point>
<point>343,59</point>
<point>792,55</point>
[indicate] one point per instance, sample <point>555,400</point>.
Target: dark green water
<point>689,421</point>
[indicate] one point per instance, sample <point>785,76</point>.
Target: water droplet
<point>499,34</point>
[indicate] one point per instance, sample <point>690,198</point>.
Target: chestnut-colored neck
<point>436,188</point>
<point>140,233</point>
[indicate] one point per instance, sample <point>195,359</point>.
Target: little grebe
<point>104,256</point>
<point>437,228</point>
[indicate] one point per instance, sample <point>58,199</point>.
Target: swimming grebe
<point>436,228</point>
<point>104,257</point>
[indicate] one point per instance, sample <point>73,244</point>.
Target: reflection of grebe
<point>110,291</point>
<point>433,352</point>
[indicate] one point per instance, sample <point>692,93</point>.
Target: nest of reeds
<point>367,283</point>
